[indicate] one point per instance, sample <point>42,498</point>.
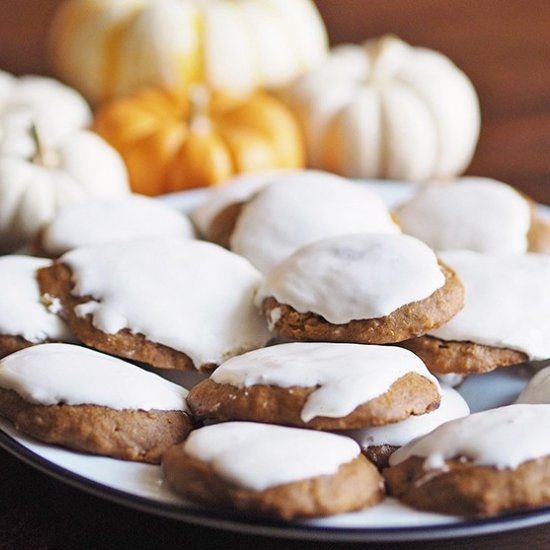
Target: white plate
<point>141,486</point>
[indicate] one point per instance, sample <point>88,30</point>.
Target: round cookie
<point>110,220</point>
<point>318,385</point>
<point>25,320</point>
<point>364,288</point>
<point>479,214</point>
<point>303,207</point>
<point>172,303</point>
<point>91,402</point>
<point>379,442</point>
<point>481,465</point>
<point>505,317</point>
<point>272,471</point>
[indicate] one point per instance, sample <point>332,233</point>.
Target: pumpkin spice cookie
<point>281,217</point>
<point>479,214</point>
<point>505,317</point>
<point>272,471</point>
<point>379,442</point>
<point>481,465</point>
<point>25,320</point>
<point>318,385</point>
<point>109,220</point>
<point>171,303</point>
<point>364,288</point>
<point>91,402</point>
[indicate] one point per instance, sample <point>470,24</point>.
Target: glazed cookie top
<point>115,219</point>
<point>538,388</point>
<point>238,189</point>
<point>51,374</point>
<point>21,311</point>
<point>344,375</point>
<point>477,214</point>
<point>260,456</point>
<point>303,208</point>
<point>504,438</point>
<point>507,299</point>
<point>400,433</point>
<point>363,276</point>
<point>192,296</point>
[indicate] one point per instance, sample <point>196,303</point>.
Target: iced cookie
<point>481,465</point>
<point>478,214</point>
<point>318,385</point>
<point>505,317</point>
<point>110,220</point>
<point>272,471</point>
<point>364,288</point>
<point>172,303</point>
<point>296,209</point>
<point>91,402</point>
<point>25,320</point>
<point>215,217</point>
<point>379,442</point>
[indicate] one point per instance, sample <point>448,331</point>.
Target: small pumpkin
<point>34,189</point>
<point>387,110</point>
<point>36,100</point>
<point>105,48</point>
<point>175,141</point>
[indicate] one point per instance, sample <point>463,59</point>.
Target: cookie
<point>111,220</point>
<point>504,321</point>
<point>364,288</point>
<point>273,471</point>
<point>171,303</point>
<point>484,464</point>
<point>318,385</point>
<point>299,208</point>
<point>84,400</point>
<point>538,389</point>
<point>380,442</point>
<point>478,214</point>
<point>25,320</point>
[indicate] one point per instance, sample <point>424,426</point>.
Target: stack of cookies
<point>316,325</point>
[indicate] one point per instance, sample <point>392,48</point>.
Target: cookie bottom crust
<point>10,344</point>
<point>468,490</point>
<point>411,394</point>
<point>451,357</point>
<point>409,321</point>
<point>355,485</point>
<point>135,435</point>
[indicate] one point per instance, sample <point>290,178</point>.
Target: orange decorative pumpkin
<point>173,141</point>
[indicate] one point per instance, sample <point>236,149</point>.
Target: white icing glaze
<point>345,375</point>
<point>259,456</point>
<point>400,433</point>
<point>477,214</point>
<point>302,208</point>
<point>506,302</point>
<point>113,219</point>
<point>504,438</point>
<point>50,374</point>
<point>238,189</point>
<point>192,296</point>
<point>355,276</point>
<point>21,311</point>
<point>538,388</point>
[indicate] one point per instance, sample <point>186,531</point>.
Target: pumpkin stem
<point>200,97</point>
<point>44,156</point>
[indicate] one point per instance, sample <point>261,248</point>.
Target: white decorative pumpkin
<point>107,48</point>
<point>35,100</point>
<point>32,191</point>
<point>387,110</point>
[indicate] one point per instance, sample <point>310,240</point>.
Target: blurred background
<point>502,45</point>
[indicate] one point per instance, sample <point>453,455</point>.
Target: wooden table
<point>504,45</point>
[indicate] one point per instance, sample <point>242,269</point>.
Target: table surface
<point>503,45</point>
